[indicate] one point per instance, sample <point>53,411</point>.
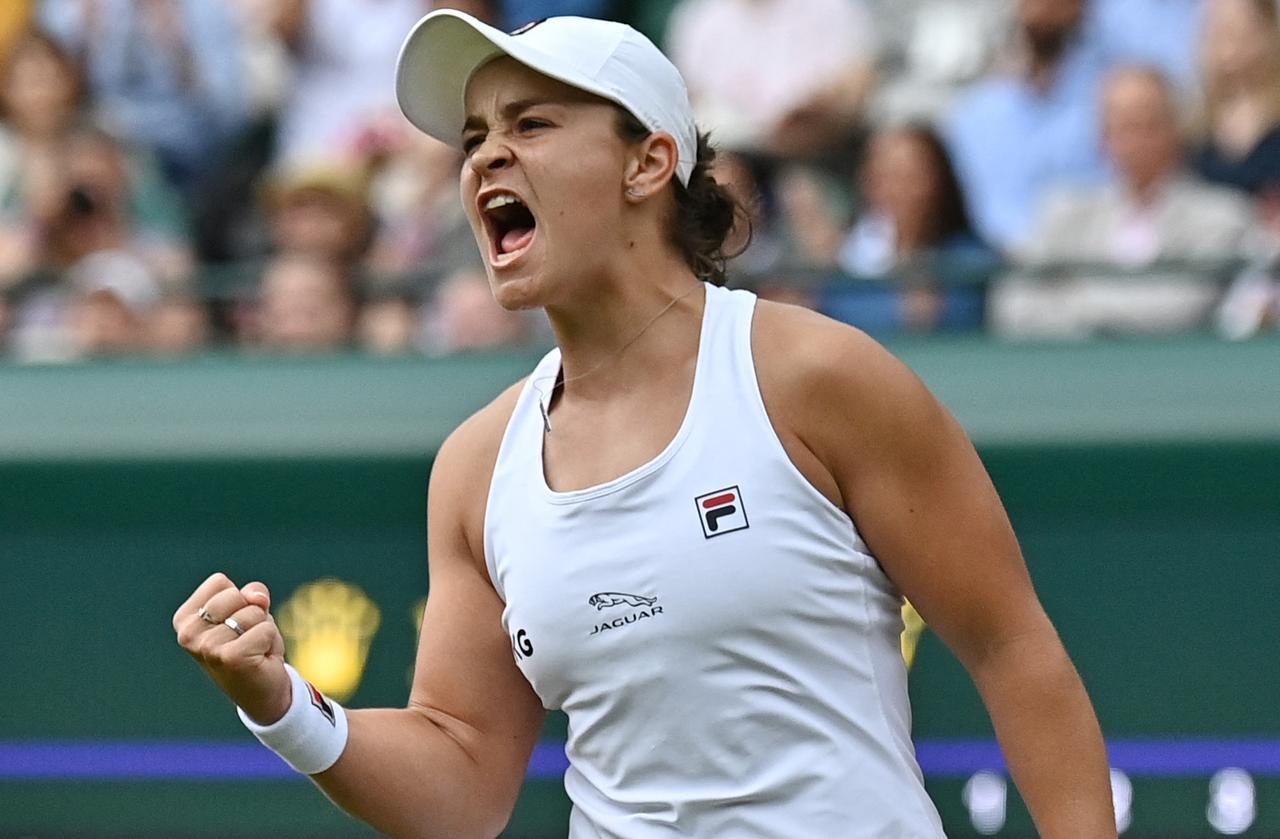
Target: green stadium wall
<point>1143,480</point>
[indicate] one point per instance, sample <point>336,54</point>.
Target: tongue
<point>517,238</point>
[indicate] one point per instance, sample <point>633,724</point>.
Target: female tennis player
<point>690,528</point>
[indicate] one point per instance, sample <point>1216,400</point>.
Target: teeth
<point>501,201</point>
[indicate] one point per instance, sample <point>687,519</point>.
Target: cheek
<point>584,201</point>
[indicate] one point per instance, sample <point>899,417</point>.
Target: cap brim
<point>439,58</point>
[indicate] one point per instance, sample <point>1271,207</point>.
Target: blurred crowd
<point>183,175</point>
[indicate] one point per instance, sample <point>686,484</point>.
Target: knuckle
<point>186,636</point>
<point>206,647</point>
<point>219,656</point>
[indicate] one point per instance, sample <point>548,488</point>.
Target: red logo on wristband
<point>322,704</point>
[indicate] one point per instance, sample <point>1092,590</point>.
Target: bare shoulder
<point>817,370</point>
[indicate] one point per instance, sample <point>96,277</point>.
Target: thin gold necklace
<point>544,402</point>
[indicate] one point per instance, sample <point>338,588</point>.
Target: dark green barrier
<point>1155,553</point>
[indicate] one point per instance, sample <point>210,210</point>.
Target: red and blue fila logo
<point>722,512</point>
<point>322,704</point>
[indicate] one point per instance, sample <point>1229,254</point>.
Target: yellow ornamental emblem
<point>913,627</point>
<point>328,626</point>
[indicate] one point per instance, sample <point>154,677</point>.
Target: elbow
<point>1028,666</point>
<point>1035,652</point>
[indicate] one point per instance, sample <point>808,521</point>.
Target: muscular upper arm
<point>466,679</point>
<point>908,477</point>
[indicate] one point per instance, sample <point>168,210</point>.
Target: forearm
<point>411,776</point>
<point>1050,736</point>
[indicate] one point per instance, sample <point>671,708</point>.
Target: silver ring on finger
<point>206,617</point>
<point>235,626</point>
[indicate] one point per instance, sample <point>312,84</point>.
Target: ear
<point>651,166</point>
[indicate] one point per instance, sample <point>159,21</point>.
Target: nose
<point>490,156</point>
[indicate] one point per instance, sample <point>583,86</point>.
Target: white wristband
<point>312,733</point>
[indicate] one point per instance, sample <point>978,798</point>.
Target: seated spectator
<point>463,316</point>
<point>781,77</point>
<point>421,228</point>
<point>1154,211</point>
<point>306,305</point>
<point>344,56</point>
<point>320,209</point>
<point>388,324</point>
<point>94,201</point>
<point>1014,135</point>
<point>1241,147</point>
<point>914,240</point>
<point>166,74</point>
<point>102,201</point>
<point>227,227</point>
<point>41,101</point>
<point>113,298</point>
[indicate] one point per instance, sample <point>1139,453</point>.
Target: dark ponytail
<point>705,210</point>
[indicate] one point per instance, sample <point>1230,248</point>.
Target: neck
<point>635,318</point>
<point>1044,54</point>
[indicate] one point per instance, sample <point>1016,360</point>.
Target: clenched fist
<point>230,632</point>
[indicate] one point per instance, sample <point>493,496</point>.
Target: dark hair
<point>950,216</point>
<point>705,210</point>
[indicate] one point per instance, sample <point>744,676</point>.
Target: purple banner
<point>248,761</point>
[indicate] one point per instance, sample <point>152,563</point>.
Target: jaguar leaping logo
<point>605,599</point>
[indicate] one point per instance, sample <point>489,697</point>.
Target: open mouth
<point>511,224</point>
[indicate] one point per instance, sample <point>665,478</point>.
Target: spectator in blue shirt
<point>1016,133</point>
<point>165,74</point>
<point>915,263</point>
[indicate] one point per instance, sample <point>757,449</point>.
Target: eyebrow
<point>510,111</point>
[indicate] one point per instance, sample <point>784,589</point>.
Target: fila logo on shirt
<point>722,512</point>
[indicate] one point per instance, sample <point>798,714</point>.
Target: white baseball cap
<point>610,60</point>
<point>118,273</point>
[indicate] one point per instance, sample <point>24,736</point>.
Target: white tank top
<point>725,646</point>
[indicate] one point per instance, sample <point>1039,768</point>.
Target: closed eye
<point>470,141</point>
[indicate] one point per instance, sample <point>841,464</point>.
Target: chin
<point>517,293</point>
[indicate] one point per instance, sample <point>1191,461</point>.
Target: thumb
<point>257,594</point>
